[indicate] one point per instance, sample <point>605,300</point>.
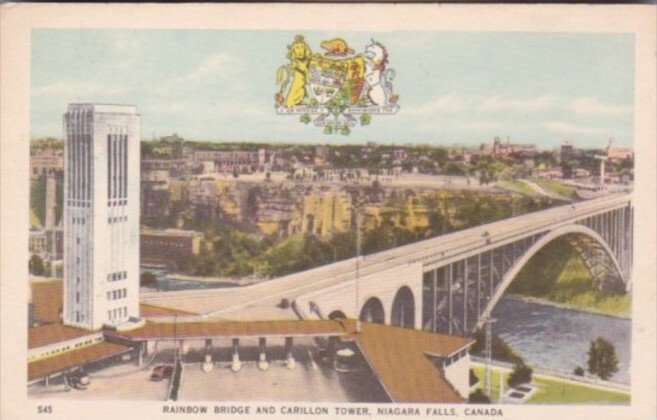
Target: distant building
<point>38,241</point>
<point>567,152</point>
<point>321,155</point>
<point>232,161</point>
<point>168,246</point>
<point>617,152</point>
<point>46,162</point>
<point>174,167</point>
<point>101,215</point>
<point>496,147</point>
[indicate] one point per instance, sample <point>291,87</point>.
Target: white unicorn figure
<point>378,79</point>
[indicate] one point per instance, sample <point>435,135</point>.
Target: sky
<point>453,87</point>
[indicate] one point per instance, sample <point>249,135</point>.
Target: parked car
<point>78,380</point>
<point>161,372</point>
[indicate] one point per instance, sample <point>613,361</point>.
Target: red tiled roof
<point>44,335</point>
<point>398,358</point>
<point>200,329</point>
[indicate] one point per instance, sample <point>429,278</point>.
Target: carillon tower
<point>101,215</point>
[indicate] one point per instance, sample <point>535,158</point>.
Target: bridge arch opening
<point>373,311</point>
<point>596,257</point>
<point>403,308</point>
<point>337,314</point>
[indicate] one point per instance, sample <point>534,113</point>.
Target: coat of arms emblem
<point>337,88</point>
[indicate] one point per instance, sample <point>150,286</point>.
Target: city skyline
<point>219,85</point>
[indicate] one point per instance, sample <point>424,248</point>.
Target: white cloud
<point>461,125</point>
<point>564,127</point>
<point>593,107</point>
<point>78,89</point>
<point>446,103</point>
<point>500,103</point>
<point>196,110</point>
<point>215,66</point>
<point>453,103</point>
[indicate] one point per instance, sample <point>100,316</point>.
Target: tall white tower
<point>101,215</point>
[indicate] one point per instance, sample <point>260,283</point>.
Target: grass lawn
<point>34,219</point>
<point>521,188</point>
<point>556,391</point>
<point>557,187</point>
<point>558,274</point>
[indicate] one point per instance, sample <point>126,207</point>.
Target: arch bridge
<point>449,283</point>
<point>445,284</point>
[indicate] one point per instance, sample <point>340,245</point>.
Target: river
<point>165,284</point>
<point>557,338</point>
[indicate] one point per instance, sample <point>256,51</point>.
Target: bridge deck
<point>259,301</point>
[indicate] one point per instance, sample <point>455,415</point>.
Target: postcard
<point>328,211</point>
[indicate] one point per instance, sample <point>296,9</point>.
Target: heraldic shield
<point>335,85</point>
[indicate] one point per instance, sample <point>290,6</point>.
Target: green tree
<point>521,374</point>
<point>603,360</point>
<point>147,279</point>
<point>579,371</point>
<point>36,265</point>
<point>478,397</point>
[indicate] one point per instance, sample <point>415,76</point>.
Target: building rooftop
<point>44,335</point>
<point>106,108</point>
<point>72,359</point>
<point>398,357</point>
<point>48,294</point>
<point>216,329</point>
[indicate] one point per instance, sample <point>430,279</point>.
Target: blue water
<point>557,338</point>
<point>164,284</point>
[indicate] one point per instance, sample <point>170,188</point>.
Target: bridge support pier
<point>184,348</point>
<point>236,365</point>
<point>141,352</point>
<point>262,360</point>
<point>207,363</point>
<point>290,363</point>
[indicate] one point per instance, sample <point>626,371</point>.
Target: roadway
<point>259,301</point>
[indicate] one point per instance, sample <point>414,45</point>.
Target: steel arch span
<point>463,291</point>
<point>578,236</point>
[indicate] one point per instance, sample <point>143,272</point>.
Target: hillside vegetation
<point>558,274</point>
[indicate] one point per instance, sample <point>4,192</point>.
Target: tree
<point>36,265</point>
<point>147,279</point>
<point>478,397</point>
<point>579,371</point>
<point>521,374</point>
<point>603,360</point>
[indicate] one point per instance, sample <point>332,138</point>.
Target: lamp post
<point>358,252</point>
<point>489,354</point>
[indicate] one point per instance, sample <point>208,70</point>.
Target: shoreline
<point>232,281</point>
<point>542,301</point>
